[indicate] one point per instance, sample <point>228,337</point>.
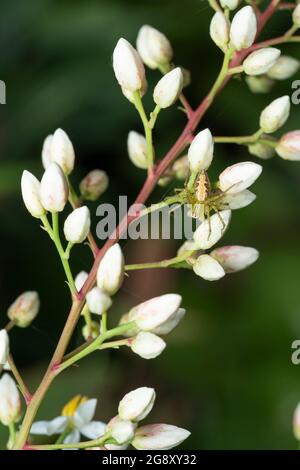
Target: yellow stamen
<point>70,408</point>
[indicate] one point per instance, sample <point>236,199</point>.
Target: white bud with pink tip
<point>154,47</point>
<point>210,232</point>
<point>62,151</point>
<point>128,66</point>
<point>259,62</point>
<point>201,150</point>
<point>159,437</point>
<point>168,88</point>
<point>110,272</point>
<point>154,312</point>
<point>243,28</point>
<point>288,147</point>
<point>31,193</point>
<point>98,301</point>
<point>275,114</point>
<point>10,402</point>
<point>147,345</point>
<point>136,405</point>
<point>235,258</point>
<point>54,189</point>
<point>239,176</point>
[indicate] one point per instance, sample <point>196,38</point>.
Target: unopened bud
<point>208,268</point>
<point>239,176</point>
<point>263,151</point>
<point>31,193</point>
<point>201,151</point>
<point>243,28</point>
<point>153,46</point>
<point>154,312</point>
<point>128,66</point>
<point>231,4</point>
<point>4,346</point>
<point>137,149</point>
<point>296,420</point>
<point>235,258</point>
<point>24,309</point>
<point>296,15</point>
<point>275,115</point>
<point>62,151</point>
<point>186,76</point>
<point>259,62</point>
<point>288,147</point>
<point>285,67</point>
<point>147,345</point>
<point>136,405</point>
<point>219,30</point>
<point>46,151</point>
<point>94,185</point>
<point>54,189</point>
<point>120,430</point>
<point>210,232</point>
<point>259,84</point>
<point>91,331</point>
<point>181,167</point>
<point>168,88</point>
<point>169,325</point>
<point>159,437</point>
<point>10,402</point>
<point>98,301</point>
<point>80,280</point>
<point>110,273</point>
<point>77,225</point>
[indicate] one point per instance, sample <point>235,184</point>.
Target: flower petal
<point>73,437</point>
<point>93,430</point>
<point>85,412</point>
<point>48,428</point>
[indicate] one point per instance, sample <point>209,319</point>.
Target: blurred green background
<point>226,374</point>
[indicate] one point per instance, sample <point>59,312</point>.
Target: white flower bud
<point>296,15</point>
<point>285,67</point>
<point>110,273</point>
<point>24,309</point>
<point>153,46</point>
<point>10,402</point>
<point>201,151</point>
<point>263,151</point>
<point>128,66</point>
<point>231,4</point>
<point>46,151</point>
<point>169,325</point>
<point>91,331</point>
<point>98,301</point>
<point>259,84</point>
<point>159,437</point>
<point>147,345</point>
<point>4,346</point>
<point>154,312</point>
<point>136,405</point>
<point>275,114</point>
<point>130,94</point>
<point>239,176</point>
<point>62,151</point>
<point>120,430</point>
<point>243,28</point>
<point>219,30</point>
<point>289,146</point>
<point>187,79</point>
<point>239,200</point>
<point>137,149</point>
<point>259,62</point>
<point>296,420</point>
<point>168,88</point>
<point>31,193</point>
<point>208,268</point>
<point>208,234</point>
<point>80,280</point>
<point>181,168</point>
<point>93,185</point>
<point>54,189</point>
<point>77,225</point>
<point>235,258</point>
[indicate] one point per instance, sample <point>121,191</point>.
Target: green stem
<point>221,76</point>
<point>192,180</point>
<point>291,31</point>
<point>12,434</point>
<point>159,205</point>
<point>88,318</point>
<point>114,344</point>
<point>77,445</point>
<point>94,345</point>
<point>63,435</point>
<point>61,252</point>
<point>103,326</point>
<point>153,116</point>
<point>166,263</point>
<point>247,139</point>
<point>147,128</point>
<point>68,250</point>
<point>235,70</point>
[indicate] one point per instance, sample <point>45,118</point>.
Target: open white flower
<point>77,416</point>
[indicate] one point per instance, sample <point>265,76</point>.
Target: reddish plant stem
<point>146,190</point>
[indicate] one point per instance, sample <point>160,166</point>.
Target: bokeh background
<point>226,374</point>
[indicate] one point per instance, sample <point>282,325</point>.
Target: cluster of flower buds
<point>240,34</point>
<point>154,318</point>
<point>110,276</point>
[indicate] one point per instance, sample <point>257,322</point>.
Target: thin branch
<point>22,386</point>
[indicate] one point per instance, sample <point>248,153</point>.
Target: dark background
<point>226,374</point>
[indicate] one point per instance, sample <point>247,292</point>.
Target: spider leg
<point>219,216</point>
